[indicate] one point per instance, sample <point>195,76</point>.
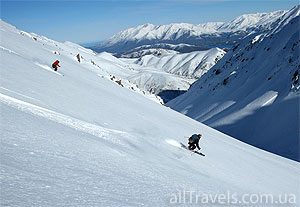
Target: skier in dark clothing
<point>55,65</point>
<point>194,141</point>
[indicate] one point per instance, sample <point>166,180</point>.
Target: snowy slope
<point>74,138</point>
<point>156,81</point>
<point>149,81</point>
<point>170,75</point>
<point>210,34</point>
<point>192,65</point>
<point>253,92</point>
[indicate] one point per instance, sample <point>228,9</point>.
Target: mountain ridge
<point>205,34</point>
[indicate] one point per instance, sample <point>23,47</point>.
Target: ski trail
<point>173,143</point>
<point>46,67</point>
<point>8,50</point>
<point>18,93</point>
<point>98,131</point>
<point>273,96</point>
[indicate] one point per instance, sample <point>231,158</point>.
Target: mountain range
<point>200,36</point>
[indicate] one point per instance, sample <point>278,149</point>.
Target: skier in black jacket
<point>194,141</point>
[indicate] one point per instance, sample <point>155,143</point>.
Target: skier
<point>55,65</point>
<point>194,141</point>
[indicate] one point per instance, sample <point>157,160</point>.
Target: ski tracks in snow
<point>79,125</point>
<point>173,142</point>
<point>8,50</point>
<point>46,67</point>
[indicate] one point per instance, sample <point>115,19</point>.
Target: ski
<point>196,152</point>
<point>58,73</point>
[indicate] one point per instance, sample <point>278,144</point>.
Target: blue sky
<point>96,20</point>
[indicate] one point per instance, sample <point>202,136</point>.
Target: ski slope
<point>81,139</point>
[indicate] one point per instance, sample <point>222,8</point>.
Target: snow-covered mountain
<point>151,81</point>
<point>151,51</point>
<point>253,92</point>
<point>161,48</point>
<point>204,35</point>
<point>161,83</point>
<point>192,65</point>
<point>77,138</point>
<point>169,75</point>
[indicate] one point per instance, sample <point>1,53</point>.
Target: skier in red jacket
<point>55,65</point>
